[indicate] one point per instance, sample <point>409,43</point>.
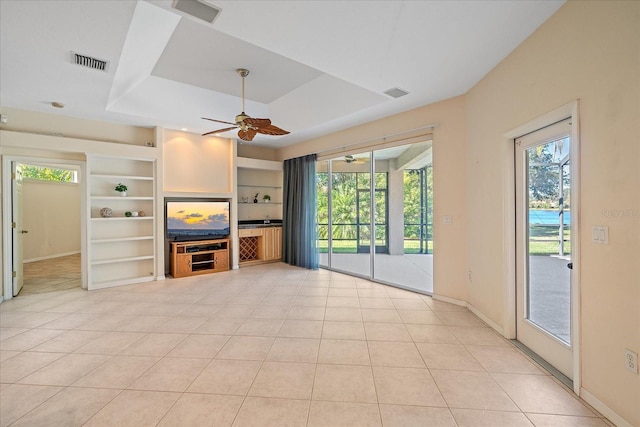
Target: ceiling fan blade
<point>257,122</point>
<point>217,121</point>
<point>219,131</point>
<point>247,135</point>
<point>272,130</point>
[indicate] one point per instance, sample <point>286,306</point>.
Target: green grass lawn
<point>542,241</point>
<point>349,246</point>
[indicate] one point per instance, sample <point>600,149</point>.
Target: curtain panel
<point>299,228</point>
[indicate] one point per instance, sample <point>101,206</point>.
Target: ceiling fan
<point>248,126</point>
<point>350,159</point>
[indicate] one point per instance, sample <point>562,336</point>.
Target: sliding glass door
<point>375,213</point>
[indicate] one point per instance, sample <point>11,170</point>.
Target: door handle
<point>570,266</point>
<point>24,231</point>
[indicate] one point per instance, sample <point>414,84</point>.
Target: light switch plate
<point>447,220</point>
<point>600,234</point>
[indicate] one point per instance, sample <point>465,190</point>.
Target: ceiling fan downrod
<point>243,72</point>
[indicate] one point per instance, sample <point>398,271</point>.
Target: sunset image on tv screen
<point>198,218</point>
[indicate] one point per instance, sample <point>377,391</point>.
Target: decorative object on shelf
<point>134,213</point>
<point>266,198</point>
<point>127,214</point>
<point>141,213</point>
<point>122,189</point>
<point>255,198</point>
<point>106,212</point>
<point>245,200</point>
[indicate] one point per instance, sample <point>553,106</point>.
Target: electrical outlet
<point>631,360</point>
<point>447,220</point>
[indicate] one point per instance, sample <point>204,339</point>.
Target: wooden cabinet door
<point>183,265</point>
<point>277,243</point>
<point>221,261</point>
<point>272,241</point>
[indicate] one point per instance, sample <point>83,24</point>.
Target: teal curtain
<point>299,228</point>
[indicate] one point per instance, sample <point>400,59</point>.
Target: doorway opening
<point>546,283</point>
<point>46,232</point>
<point>375,215</point>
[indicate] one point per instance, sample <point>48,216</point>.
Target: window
<point>49,173</point>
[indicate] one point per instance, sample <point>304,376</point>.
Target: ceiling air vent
<point>89,62</point>
<point>396,92</point>
<point>198,9</point>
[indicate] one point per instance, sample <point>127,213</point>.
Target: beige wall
<point>449,138</point>
<point>71,127</point>
<point>197,164</point>
<point>588,51</point>
<point>51,213</point>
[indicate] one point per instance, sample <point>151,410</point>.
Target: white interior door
<point>544,233</point>
<point>17,227</point>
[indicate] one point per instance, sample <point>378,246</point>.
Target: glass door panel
<point>543,250</point>
<point>549,280</point>
<point>350,214</point>
<point>402,202</point>
<point>322,182</point>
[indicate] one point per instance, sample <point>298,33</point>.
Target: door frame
<point>570,110</point>
<point>7,232</point>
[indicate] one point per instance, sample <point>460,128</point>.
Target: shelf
<point>259,203</point>
<point>202,262</point>
<point>121,198</point>
<point>122,281</point>
<point>128,218</point>
<point>127,259</point>
<point>122,239</point>
<point>259,186</point>
<point>118,176</point>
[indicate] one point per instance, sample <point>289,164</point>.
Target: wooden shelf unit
<point>199,257</point>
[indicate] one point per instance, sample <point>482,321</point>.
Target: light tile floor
<point>267,345</point>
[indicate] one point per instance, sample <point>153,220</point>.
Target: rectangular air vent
<point>396,92</point>
<point>198,9</point>
<point>89,62</point>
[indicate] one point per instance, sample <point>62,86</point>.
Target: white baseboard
<point>163,277</point>
<point>42,258</point>
<point>449,300</point>
<point>603,409</point>
<point>499,329</point>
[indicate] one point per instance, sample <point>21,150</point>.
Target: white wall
<point>51,214</point>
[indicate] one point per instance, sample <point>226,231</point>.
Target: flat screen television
<point>196,219</point>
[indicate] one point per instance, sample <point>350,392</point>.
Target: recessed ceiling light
<point>184,129</point>
<point>57,104</point>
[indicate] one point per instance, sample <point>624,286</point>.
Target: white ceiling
<point>316,66</point>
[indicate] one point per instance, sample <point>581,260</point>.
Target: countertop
<point>259,223</point>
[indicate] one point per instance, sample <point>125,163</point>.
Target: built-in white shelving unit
<point>121,249</point>
<point>261,177</point>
